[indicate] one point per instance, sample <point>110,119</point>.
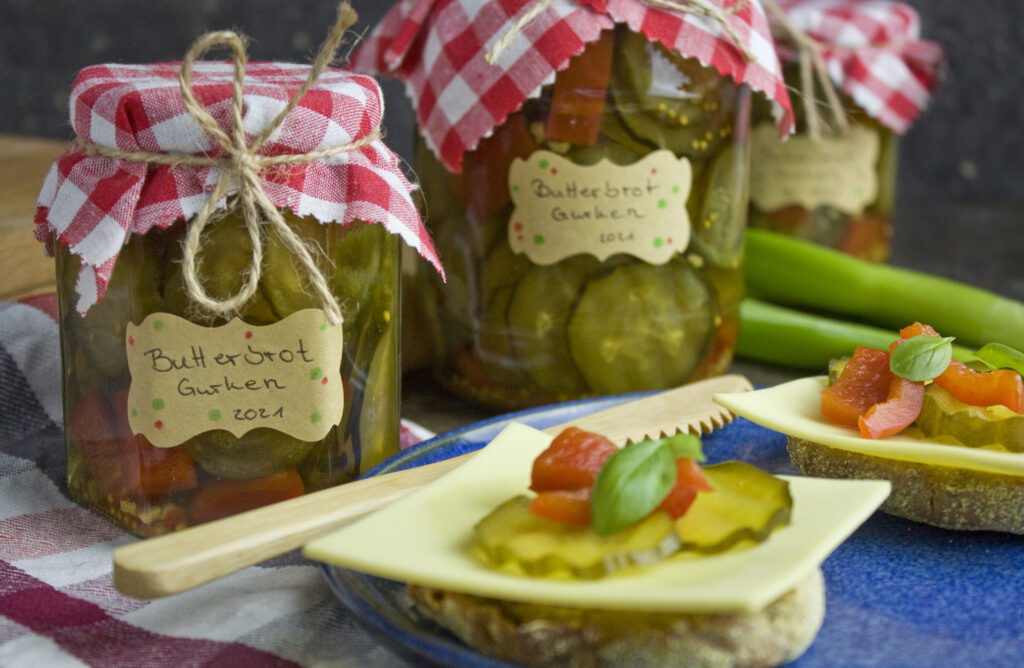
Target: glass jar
<point>113,465</point>
<point>837,190</point>
<point>633,308</point>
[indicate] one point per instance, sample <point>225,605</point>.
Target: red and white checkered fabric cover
<point>874,54</point>
<point>437,47</point>
<point>94,204</point>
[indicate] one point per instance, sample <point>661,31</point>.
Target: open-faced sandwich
<point>948,434</point>
<point>598,510</point>
<point>573,551</point>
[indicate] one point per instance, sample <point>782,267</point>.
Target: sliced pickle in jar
<point>501,268</point>
<point>641,326</point>
<point>942,414</point>
<point>255,454</point>
<point>512,538</point>
<point>221,265</point>
<point>494,349</point>
<point>718,232</point>
<point>668,101</point>
<point>283,282</point>
<point>747,504</point>
<point>538,315</point>
<point>131,294</point>
<point>358,258</point>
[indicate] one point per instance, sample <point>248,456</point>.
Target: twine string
<point>702,8</point>
<point>812,66</point>
<point>242,164</point>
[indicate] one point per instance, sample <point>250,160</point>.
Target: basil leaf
<point>922,357</point>
<point>684,445</point>
<point>631,484</point>
<point>999,356</point>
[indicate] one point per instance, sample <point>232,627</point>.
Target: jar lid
<point>439,49</point>
<point>873,52</point>
<point>100,193</point>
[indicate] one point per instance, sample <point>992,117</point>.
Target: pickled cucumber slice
<point>718,232</point>
<point>358,257</point>
<point>494,349</point>
<point>537,318</point>
<point>641,327</point>
<point>221,266</point>
<point>747,505</point>
<point>942,414</point>
<point>258,453</point>
<point>514,539</point>
<point>668,101</point>
<point>283,282</point>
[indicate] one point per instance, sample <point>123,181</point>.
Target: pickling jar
<point>861,75</point>
<point>587,192</point>
<point>209,371</point>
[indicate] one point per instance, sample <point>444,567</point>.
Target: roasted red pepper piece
<point>486,168</point>
<point>148,470</point>
<point>977,388</point>
<point>983,388</point>
<point>897,412</point>
<point>689,482</point>
<point>864,382</point>
<point>578,97</point>
<point>571,461</point>
<point>90,429</point>
<point>222,498</point>
<point>568,506</point>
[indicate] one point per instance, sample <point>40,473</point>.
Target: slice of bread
<point>943,496</point>
<point>542,635</point>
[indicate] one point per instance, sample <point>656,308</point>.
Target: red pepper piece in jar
<point>148,470</point>
<point>864,382</point>
<point>571,461</point>
<point>91,431</point>
<point>578,97</point>
<point>222,498</point>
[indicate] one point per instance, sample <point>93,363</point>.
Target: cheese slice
<point>794,408</point>
<point>425,538</point>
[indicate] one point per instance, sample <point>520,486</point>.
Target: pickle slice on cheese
<point>975,426</point>
<point>514,539</point>
<point>747,504</point>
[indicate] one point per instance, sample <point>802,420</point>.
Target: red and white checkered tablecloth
<point>438,48</point>
<point>94,203</point>
<point>58,605</point>
<point>874,53</point>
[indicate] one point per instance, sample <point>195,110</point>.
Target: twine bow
<point>694,7</point>
<point>812,66</point>
<point>243,164</point>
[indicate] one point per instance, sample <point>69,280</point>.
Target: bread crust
<point>943,496</point>
<point>537,635</point>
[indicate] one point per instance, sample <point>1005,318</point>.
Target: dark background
<point>961,183</point>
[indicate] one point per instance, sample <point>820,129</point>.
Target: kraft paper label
<point>563,209</point>
<point>187,379</point>
<point>833,171</point>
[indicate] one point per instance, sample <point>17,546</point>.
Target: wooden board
<point>24,162</point>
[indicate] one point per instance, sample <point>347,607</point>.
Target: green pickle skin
<point>361,264</point>
<point>508,334</point>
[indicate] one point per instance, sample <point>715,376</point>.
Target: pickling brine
<point>593,242</point>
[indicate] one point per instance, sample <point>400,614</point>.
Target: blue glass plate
<point>898,593</point>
